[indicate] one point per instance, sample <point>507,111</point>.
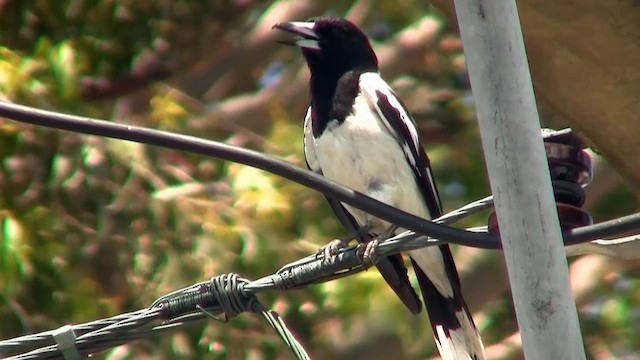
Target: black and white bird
<point>358,133</point>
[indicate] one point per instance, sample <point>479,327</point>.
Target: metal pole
<point>519,176</point>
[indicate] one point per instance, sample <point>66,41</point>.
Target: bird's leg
<point>367,252</point>
<point>387,234</point>
<point>334,246</point>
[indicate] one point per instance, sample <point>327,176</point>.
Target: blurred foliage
<point>93,227</point>
<point>619,202</point>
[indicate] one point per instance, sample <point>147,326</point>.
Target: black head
<point>332,45</point>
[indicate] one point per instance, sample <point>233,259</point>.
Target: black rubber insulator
<point>568,192</point>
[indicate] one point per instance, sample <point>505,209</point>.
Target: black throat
<point>332,98</point>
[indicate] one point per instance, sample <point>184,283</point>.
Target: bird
<point>357,132</point>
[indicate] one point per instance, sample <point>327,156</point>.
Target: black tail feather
<point>394,273</point>
<point>453,327</point>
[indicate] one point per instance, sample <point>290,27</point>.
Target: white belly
<point>370,161</point>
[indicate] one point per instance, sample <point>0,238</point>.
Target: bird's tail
<point>395,274</point>
<point>456,335</point>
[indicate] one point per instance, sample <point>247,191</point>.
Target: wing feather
<point>396,119</point>
<point>455,332</point>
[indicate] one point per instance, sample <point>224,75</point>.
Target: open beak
<point>307,38</point>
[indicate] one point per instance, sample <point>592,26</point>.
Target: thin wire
<point>103,334</point>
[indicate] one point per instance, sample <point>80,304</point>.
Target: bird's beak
<point>308,39</point>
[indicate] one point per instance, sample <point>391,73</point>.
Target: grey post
<point>519,176</point>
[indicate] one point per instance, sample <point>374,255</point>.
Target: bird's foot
<point>389,233</point>
<point>333,247</point>
<point>367,253</point>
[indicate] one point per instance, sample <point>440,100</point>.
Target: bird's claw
<point>391,230</point>
<point>333,248</point>
<point>367,253</point>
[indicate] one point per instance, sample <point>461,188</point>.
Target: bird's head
<point>331,44</point>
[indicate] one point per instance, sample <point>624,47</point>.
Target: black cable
<point>605,229</point>
<point>292,172</point>
<point>244,156</point>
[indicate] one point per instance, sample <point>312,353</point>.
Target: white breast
<point>361,154</point>
<point>364,155</point>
